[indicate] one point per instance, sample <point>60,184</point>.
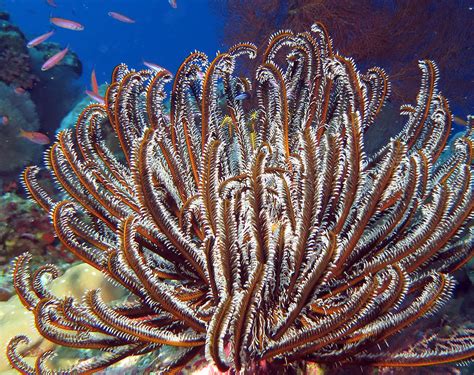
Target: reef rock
<point>21,113</point>
<point>15,61</point>
<point>15,319</point>
<point>57,85</point>
<point>70,119</point>
<point>23,226</point>
<point>21,69</point>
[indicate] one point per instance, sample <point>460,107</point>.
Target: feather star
<point>266,242</point>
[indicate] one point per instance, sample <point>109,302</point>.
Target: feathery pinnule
<point>271,240</point>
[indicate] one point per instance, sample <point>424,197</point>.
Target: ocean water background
<point>161,34</point>
<point>165,36</point>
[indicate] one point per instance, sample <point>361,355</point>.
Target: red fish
<point>121,17</point>
<point>155,67</point>
<point>4,120</point>
<point>39,39</point>
<point>19,90</point>
<point>66,24</point>
<point>173,4</point>
<point>51,3</point>
<point>459,121</point>
<point>94,85</point>
<point>95,96</point>
<point>35,137</point>
<point>55,59</point>
<point>152,66</point>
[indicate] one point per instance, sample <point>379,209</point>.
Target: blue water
<point>161,34</point>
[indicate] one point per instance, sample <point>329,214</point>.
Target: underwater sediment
<point>258,232</point>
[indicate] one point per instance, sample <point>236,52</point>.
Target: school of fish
<point>57,58</point>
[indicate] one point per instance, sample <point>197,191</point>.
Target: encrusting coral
<point>24,226</point>
<point>262,238</point>
<point>19,109</point>
<point>15,63</point>
<point>20,68</point>
<point>74,283</point>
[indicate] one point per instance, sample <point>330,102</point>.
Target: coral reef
<point>391,34</point>
<point>44,51</point>
<point>261,237</point>
<point>70,119</point>
<point>23,226</point>
<point>16,68</point>
<point>21,70</point>
<point>20,110</point>
<point>63,90</point>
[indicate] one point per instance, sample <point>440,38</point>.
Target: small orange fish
<point>19,90</point>
<point>55,59</point>
<point>35,137</point>
<point>94,85</point>
<point>156,67</point>
<point>459,121</point>
<point>95,96</point>
<point>40,39</point>
<point>66,24</point>
<point>4,120</point>
<point>152,66</point>
<point>121,17</point>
